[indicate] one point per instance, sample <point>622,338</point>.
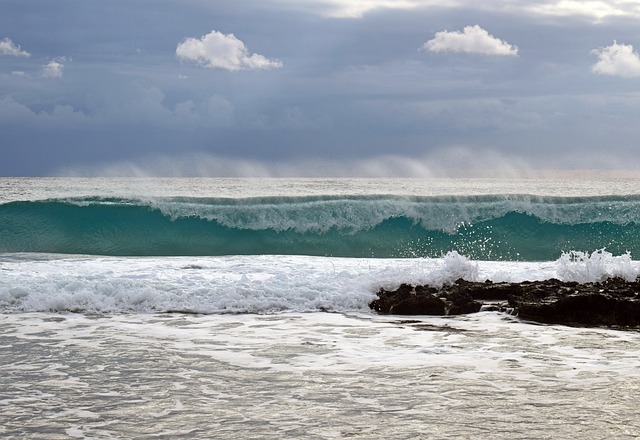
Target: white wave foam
<point>356,214</point>
<point>256,284</point>
<point>597,266</point>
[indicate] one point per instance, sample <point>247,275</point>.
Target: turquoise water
<point>511,227</point>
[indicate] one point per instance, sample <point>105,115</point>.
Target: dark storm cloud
<point>378,85</point>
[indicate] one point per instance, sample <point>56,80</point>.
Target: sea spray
<point>454,266</point>
<point>599,265</point>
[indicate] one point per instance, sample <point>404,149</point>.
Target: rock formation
<point>612,302</point>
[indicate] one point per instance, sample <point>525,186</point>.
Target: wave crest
<point>504,227</point>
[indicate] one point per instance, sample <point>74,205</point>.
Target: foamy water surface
<point>314,375</point>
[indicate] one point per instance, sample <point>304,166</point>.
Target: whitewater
<point>202,308</point>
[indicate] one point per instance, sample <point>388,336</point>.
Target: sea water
<point>238,308</point>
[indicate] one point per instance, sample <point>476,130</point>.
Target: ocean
<point>238,308</point>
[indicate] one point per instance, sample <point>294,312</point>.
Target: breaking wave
<point>495,227</point>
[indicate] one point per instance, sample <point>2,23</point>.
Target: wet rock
<point>424,300</point>
<point>461,303</point>
<point>613,302</point>
<point>408,300</point>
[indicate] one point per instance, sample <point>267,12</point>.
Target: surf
<point>258,284</point>
<point>489,227</point>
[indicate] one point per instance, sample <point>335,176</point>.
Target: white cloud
<point>597,10</point>
<point>473,39</point>
<point>617,60</point>
<point>8,47</point>
<point>219,51</point>
<point>54,69</point>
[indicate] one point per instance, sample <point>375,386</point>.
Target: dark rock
<point>419,305</point>
<point>462,302</point>
<point>406,301</point>
<point>613,302</point>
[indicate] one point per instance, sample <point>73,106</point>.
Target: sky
<point>372,88</point>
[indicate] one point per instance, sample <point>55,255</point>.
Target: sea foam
<point>587,267</point>
<point>257,284</point>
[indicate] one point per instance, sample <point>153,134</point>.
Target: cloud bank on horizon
<point>326,87</point>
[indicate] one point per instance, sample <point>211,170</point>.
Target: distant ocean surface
<point>202,308</point>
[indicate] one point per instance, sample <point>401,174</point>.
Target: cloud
<point>358,8</point>
<point>219,51</point>
<point>14,112</point>
<point>8,47</point>
<point>54,69</point>
<point>473,39</point>
<point>598,10</point>
<point>617,60</point>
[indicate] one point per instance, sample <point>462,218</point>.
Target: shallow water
<point>313,375</point>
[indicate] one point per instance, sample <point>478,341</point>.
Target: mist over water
<point>455,161</point>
